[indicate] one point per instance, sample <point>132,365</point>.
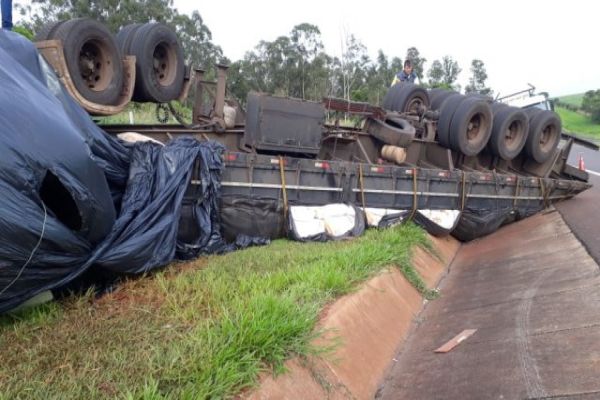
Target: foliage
<point>23,31</point>
<point>451,70</point>
<point>417,61</point>
<point>574,100</point>
<point>478,78</point>
<point>558,101</point>
<point>591,104</point>
<point>436,74</point>
<point>293,65</point>
<point>196,330</point>
<point>578,123</point>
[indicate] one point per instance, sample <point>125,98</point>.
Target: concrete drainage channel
<point>532,292</point>
<point>369,326</point>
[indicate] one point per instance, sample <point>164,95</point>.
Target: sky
<point>552,45</point>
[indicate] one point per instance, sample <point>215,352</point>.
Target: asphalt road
<point>532,291</point>
<point>582,213</point>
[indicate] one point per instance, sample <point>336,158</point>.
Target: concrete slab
<point>533,294</point>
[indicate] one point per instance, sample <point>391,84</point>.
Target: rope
<point>516,193</point>
<point>463,195</point>
<point>362,185</point>
<point>37,245</point>
<point>283,189</point>
<point>543,192</point>
<point>414,207</point>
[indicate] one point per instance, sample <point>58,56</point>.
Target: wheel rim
<point>164,63</point>
<point>476,128</point>
<point>548,137</point>
<point>414,104</point>
<point>95,65</point>
<point>513,135</point>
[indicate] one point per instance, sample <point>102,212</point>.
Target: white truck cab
<point>528,98</point>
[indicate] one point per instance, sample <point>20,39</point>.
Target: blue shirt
<point>403,77</point>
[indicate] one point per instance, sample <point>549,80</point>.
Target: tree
<point>293,65</point>
<point>436,74</point>
<point>478,78</point>
<point>417,61</point>
<point>352,68</point>
<point>591,104</point>
<point>380,74</point>
<point>450,70</point>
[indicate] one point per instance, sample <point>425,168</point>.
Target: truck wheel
<point>447,109</point>
<point>410,98</point>
<point>405,97</point>
<point>125,36</point>
<point>509,132</point>
<point>438,97</point>
<point>387,99</point>
<point>480,96</point>
<point>93,60</point>
<point>47,31</point>
<point>471,126</point>
<point>544,134</point>
<point>159,64</point>
<point>497,106</point>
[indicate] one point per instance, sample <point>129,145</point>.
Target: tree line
<point>294,65</point>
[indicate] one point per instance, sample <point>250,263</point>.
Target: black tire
<point>544,134</point>
<point>438,98</point>
<point>88,42</point>
<point>405,97</point>
<point>47,31</point>
<point>471,126</point>
<point>509,132</point>
<point>532,111</point>
<point>156,44</point>
<point>497,106</point>
<point>480,96</point>
<point>125,37</point>
<point>411,97</point>
<point>447,110</point>
<point>387,99</point>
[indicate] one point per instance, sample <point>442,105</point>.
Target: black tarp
<point>73,197</point>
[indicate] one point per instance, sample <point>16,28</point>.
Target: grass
<point>144,114</point>
<point>573,99</point>
<point>203,329</point>
<point>577,123</point>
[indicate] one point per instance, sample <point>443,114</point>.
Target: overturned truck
<point>83,200</point>
<point>421,151</point>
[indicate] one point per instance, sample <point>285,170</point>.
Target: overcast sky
<point>550,44</point>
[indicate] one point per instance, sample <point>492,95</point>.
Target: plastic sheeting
<point>329,222</point>
<point>435,222</point>
<point>74,197</point>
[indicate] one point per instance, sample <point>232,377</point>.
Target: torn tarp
<point>74,197</point>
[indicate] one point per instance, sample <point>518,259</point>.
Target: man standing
<point>406,75</point>
<point>6,11</point>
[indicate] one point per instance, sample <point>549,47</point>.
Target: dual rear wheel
<point>94,59</point>
<point>474,123</point>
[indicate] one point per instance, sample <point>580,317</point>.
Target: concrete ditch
<point>370,325</point>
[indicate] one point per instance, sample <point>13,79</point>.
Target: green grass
<point>578,123</point>
<point>573,99</point>
<point>144,114</point>
<point>203,329</point>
